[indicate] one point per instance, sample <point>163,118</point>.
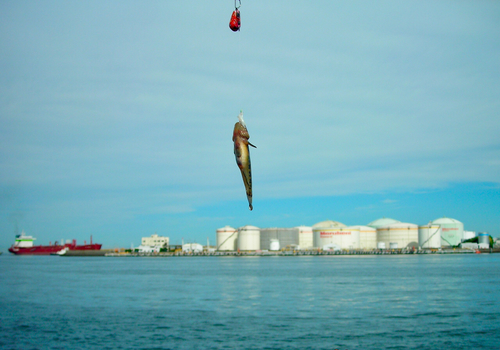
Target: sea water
<point>310,302</point>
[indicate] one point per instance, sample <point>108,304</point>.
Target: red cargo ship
<point>24,246</point>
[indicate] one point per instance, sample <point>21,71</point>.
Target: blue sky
<point>116,117</point>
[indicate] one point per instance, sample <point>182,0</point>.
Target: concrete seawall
<point>101,252</point>
<point>113,253</point>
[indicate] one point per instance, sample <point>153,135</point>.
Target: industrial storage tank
<point>468,235</point>
<point>484,238</point>
<point>451,231</point>
<point>275,245</point>
<point>192,248</point>
<point>285,237</point>
<point>248,238</point>
<point>403,234</point>
<point>306,240</point>
<point>332,232</point>
<point>324,225</point>
<point>226,238</point>
<point>429,236</point>
<point>367,237</point>
<point>382,222</point>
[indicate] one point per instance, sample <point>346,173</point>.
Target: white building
<point>148,249</point>
<point>192,248</point>
<point>155,240</point>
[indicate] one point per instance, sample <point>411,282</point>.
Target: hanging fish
<point>242,154</point>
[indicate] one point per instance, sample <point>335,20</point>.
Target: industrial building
<point>278,238</point>
<point>192,248</point>
<point>468,235</point>
<point>383,233</point>
<point>155,240</point>
<point>250,238</point>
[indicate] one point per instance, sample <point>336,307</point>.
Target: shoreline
<point>307,253</point>
<point>287,253</point>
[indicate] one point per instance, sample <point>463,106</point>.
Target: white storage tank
<point>367,237</point>
<point>451,231</point>
<point>429,236</point>
<point>483,237</point>
<point>322,226</point>
<point>405,235</point>
<point>226,238</point>
<point>334,233</point>
<point>192,248</point>
<point>275,245</point>
<point>248,238</point>
<point>468,235</point>
<point>305,237</point>
<point>382,222</point>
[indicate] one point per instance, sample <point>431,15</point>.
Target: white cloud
<point>389,201</point>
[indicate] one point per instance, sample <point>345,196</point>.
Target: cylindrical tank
<point>334,233</point>
<point>319,238</point>
<point>404,234</point>
<point>226,238</point>
<point>192,247</point>
<point>367,237</point>
<point>468,235</point>
<point>429,236</point>
<point>382,222</point>
<point>275,245</point>
<point>483,237</point>
<point>305,237</point>
<point>248,238</point>
<point>451,231</point>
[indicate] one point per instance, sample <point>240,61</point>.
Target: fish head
<point>240,130</point>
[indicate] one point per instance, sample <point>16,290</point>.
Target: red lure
<point>235,22</point>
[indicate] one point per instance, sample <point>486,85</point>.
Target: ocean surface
<point>310,302</point>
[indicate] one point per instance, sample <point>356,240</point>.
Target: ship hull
<point>51,249</point>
